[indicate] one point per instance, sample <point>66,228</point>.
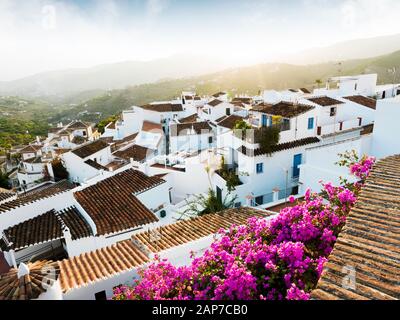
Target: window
<point>210,140</point>
<point>296,163</point>
<point>310,123</point>
<point>259,167</point>
<point>84,133</point>
<point>355,87</point>
<point>295,190</point>
<point>228,111</point>
<point>238,204</point>
<point>333,111</point>
<point>264,120</point>
<point>259,200</point>
<point>100,295</point>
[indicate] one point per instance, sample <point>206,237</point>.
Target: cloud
<point>156,7</point>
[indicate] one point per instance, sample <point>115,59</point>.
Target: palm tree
<point>318,82</point>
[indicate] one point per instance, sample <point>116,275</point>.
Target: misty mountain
<point>353,49</point>
<point>76,85</point>
<point>247,80</point>
<point>109,76</point>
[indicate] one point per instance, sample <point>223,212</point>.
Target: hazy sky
<point>42,35</point>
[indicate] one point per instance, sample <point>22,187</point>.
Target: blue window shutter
<point>310,123</point>
<point>264,120</point>
<point>296,163</point>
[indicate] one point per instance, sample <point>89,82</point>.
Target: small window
<point>238,204</point>
<point>259,167</point>
<point>84,133</point>
<point>210,140</point>
<point>333,111</point>
<point>259,200</point>
<point>228,111</point>
<point>295,190</point>
<point>100,295</point>
<point>310,123</point>
<point>355,87</point>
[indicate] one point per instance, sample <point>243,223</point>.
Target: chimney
<point>37,139</point>
<point>23,270</point>
<point>275,194</point>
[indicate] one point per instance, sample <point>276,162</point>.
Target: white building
<point>87,161</point>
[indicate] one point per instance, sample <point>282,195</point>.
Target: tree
<point>4,180</point>
<point>103,123</point>
<point>205,204</point>
<point>318,82</point>
<point>60,172</point>
<point>268,137</point>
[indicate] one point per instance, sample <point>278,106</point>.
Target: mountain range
<point>75,85</point>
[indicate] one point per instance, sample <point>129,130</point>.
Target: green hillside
<point>236,81</point>
<point>17,116</point>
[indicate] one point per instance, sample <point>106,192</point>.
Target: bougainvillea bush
<point>281,258</point>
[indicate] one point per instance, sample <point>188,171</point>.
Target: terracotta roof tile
<point>189,119</point>
<point>90,148</point>
<point>111,202</point>
<point>325,101</point>
<point>151,127</point>
<point>279,147</point>
<point>185,231</point>
<point>30,149</point>
<point>102,263</point>
<point>163,107</point>
<point>283,109</point>
<point>245,100</point>
<point>42,228</point>
<point>365,101</point>
<point>29,286</point>
<point>44,191</point>
<point>218,94</point>
<point>46,227</point>
<point>190,128</point>
<point>214,102</point>
<point>6,194</point>
<point>78,125</point>
<point>229,121</point>
<point>136,152</point>
<point>369,242</point>
<point>95,165</point>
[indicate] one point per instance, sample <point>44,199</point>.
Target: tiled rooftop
<point>283,109</point>
<point>30,149</point>
<point>90,148</point>
<point>365,101</point>
<point>136,152</point>
<point>46,227</point>
<point>151,127</point>
<point>44,191</point>
<point>279,147</point>
<point>102,263</point>
<point>181,129</point>
<point>189,119</point>
<point>95,165</point>
<point>369,242</point>
<point>29,286</point>
<point>163,107</point>
<point>112,205</point>
<point>325,101</point>
<point>214,102</point>
<point>229,121</point>
<point>186,231</point>
<point>5,194</point>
